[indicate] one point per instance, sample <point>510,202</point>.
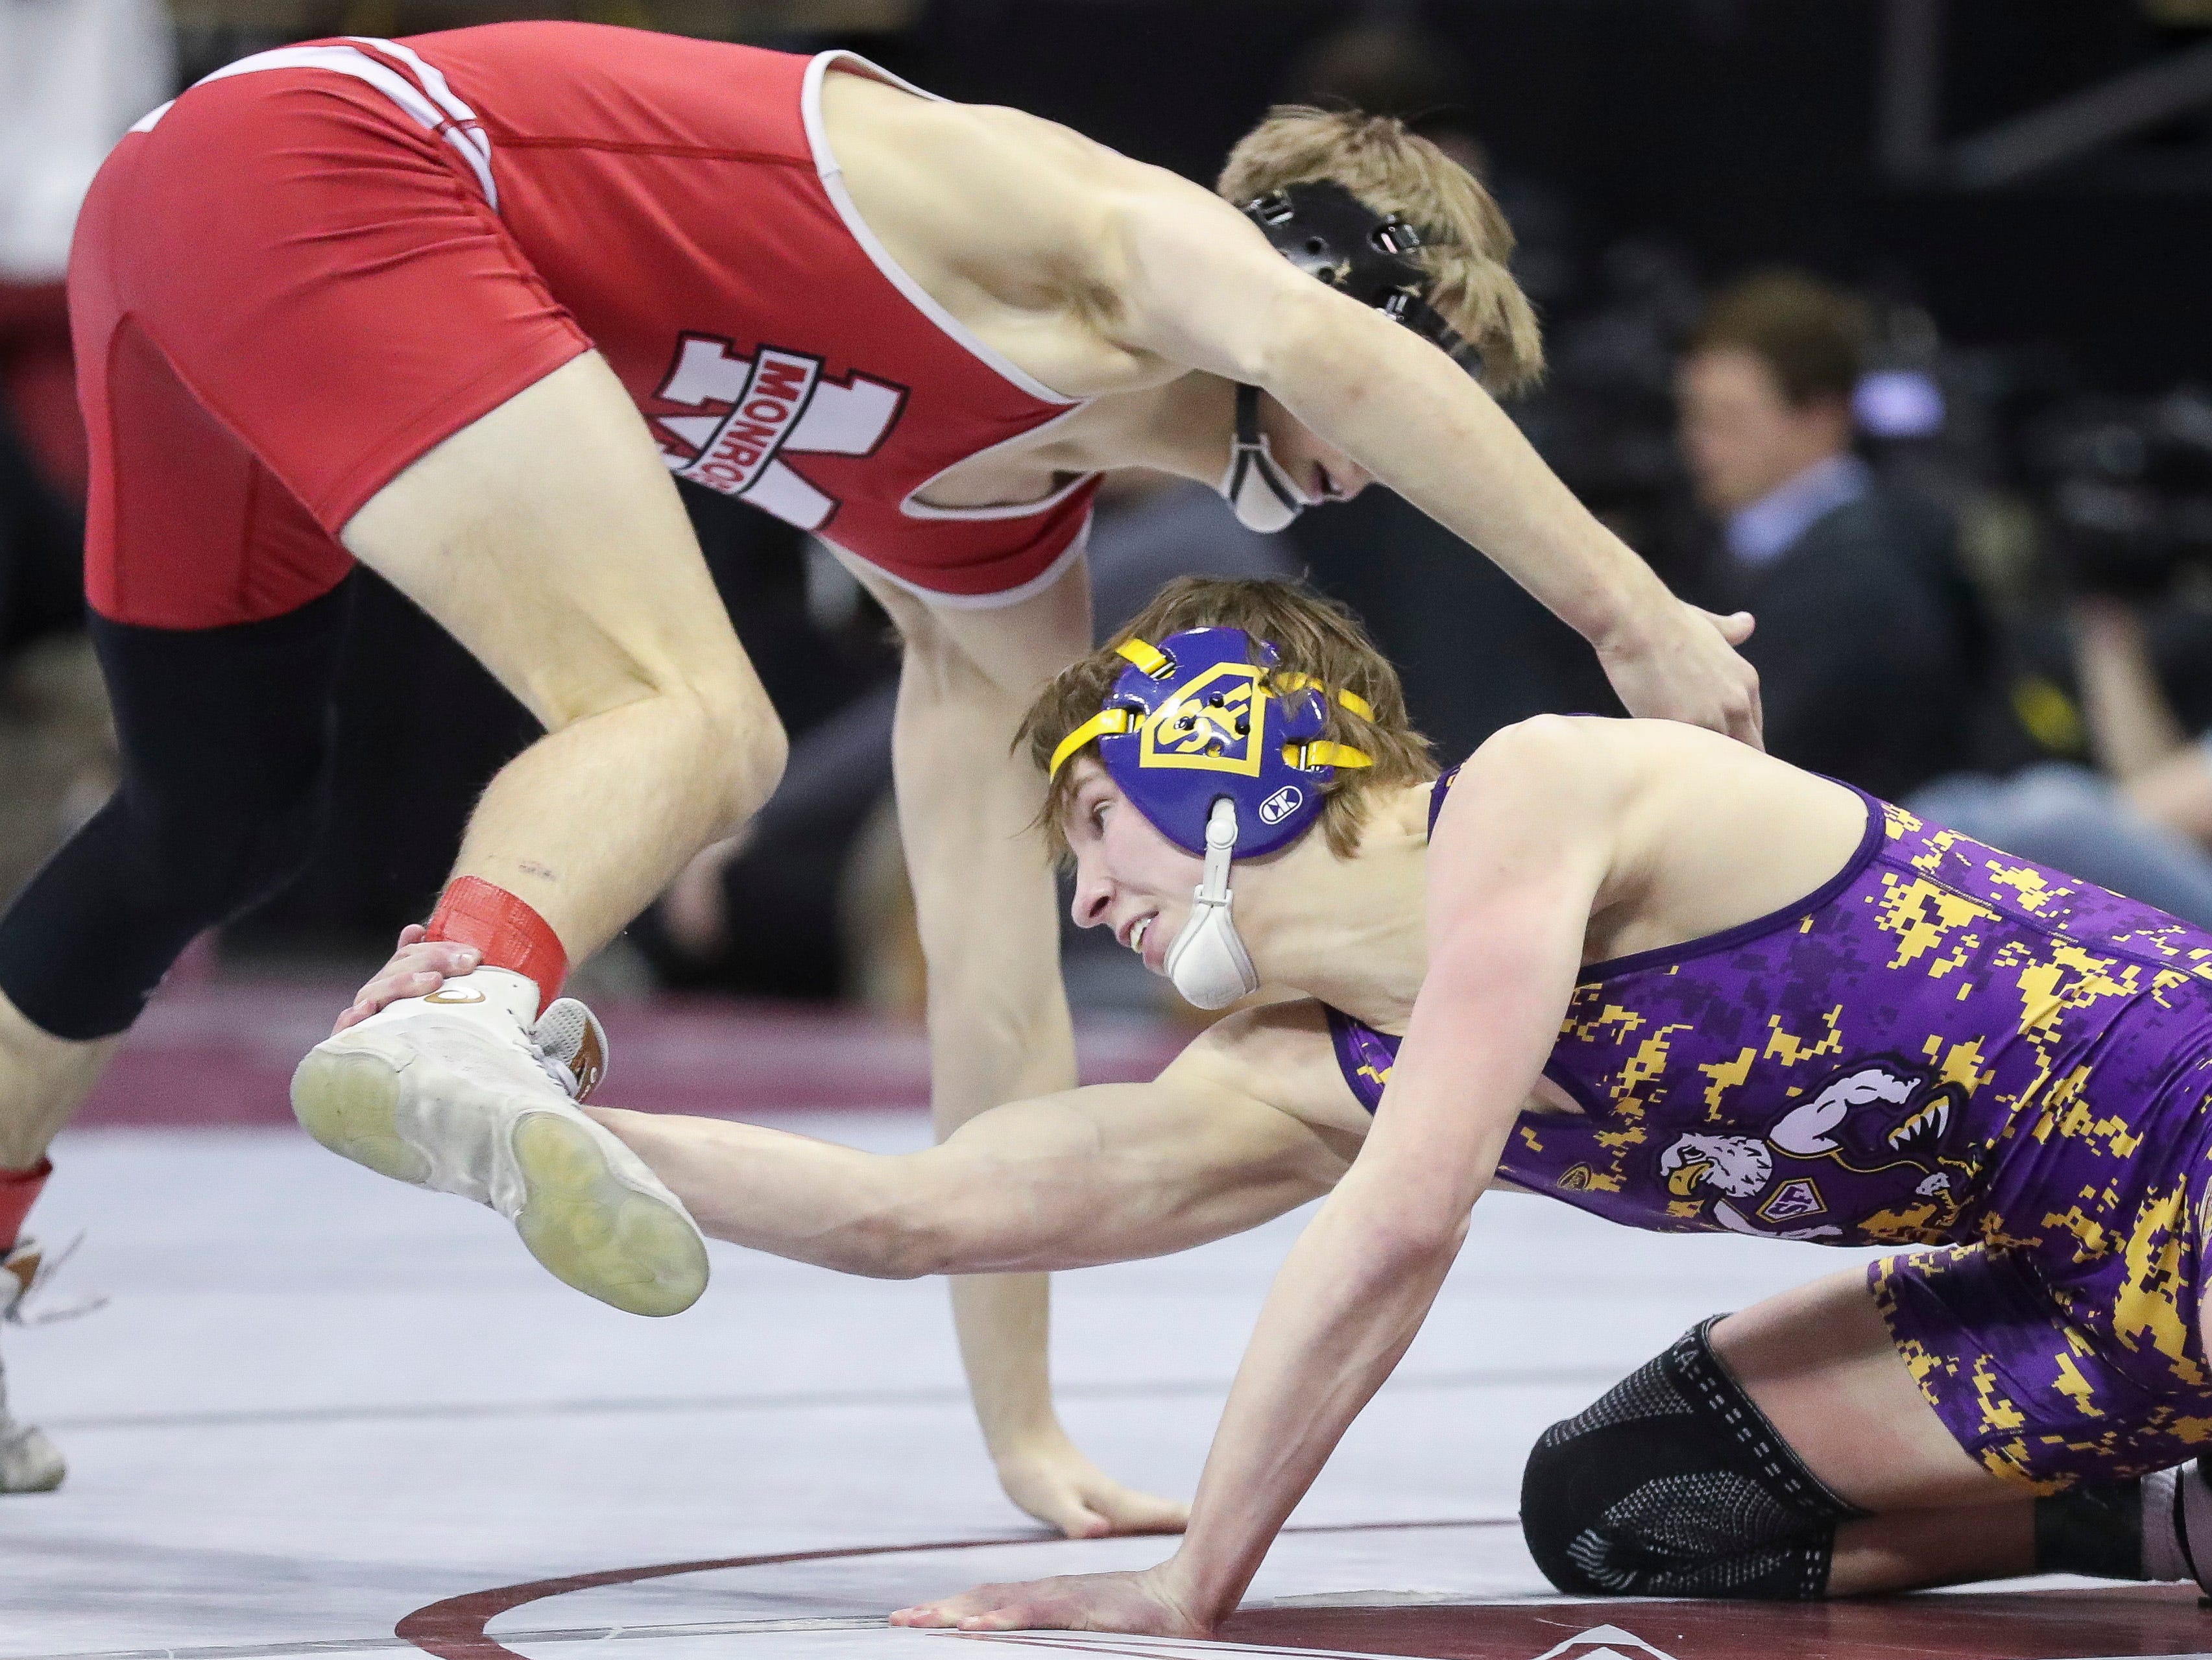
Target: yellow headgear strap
<point>1152,661</point>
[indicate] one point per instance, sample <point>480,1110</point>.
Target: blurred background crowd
<point>1886,319</point>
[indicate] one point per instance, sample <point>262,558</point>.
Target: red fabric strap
<point>19,1191</point>
<point>509,933</point>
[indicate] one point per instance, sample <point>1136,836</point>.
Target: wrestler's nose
<point>1094,898</point>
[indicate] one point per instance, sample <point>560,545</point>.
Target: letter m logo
<point>757,412</point>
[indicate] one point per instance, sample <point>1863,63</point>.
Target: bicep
<point>1198,283</point>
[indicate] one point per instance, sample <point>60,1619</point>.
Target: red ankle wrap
<point>506,930</point>
<point>19,1191</point>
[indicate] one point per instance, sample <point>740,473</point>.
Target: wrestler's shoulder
<point>1280,1054</point>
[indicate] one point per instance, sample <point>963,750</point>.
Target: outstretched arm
<point>1201,287</point>
<point>1511,892</point>
<point>1107,1174</point>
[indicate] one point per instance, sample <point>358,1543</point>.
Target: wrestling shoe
<point>28,1461</point>
<point>461,1093</point>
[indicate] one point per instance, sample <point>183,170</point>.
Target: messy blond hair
<point>1392,170</point>
<point>1316,638</point>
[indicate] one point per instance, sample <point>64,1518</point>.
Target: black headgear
<point>1321,227</point>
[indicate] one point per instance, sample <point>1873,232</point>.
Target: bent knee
<point>1672,1484</point>
<point>745,752</point>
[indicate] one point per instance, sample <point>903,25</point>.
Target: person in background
<point>2142,824</point>
<point>1870,648</point>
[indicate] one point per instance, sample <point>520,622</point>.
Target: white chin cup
<point>1207,962</point>
<point>1254,485</point>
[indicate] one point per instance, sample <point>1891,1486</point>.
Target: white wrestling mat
<point>325,1414</point>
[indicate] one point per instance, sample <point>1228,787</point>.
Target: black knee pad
<point>1673,1484</point>
<point>226,736</point>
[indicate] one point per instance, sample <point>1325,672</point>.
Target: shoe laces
<point>27,1275</point>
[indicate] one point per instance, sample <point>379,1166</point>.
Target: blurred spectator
<point>1872,660</point>
<point>2144,827</point>
<point>73,74</point>
<point>812,899</point>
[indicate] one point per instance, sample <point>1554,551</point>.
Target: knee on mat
<point>1672,1484</point>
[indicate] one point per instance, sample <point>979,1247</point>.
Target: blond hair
<point>1392,170</point>
<point>1316,638</point>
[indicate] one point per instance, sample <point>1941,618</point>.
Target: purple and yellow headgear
<point>1206,714</point>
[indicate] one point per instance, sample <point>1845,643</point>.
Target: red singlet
<point>322,261</point>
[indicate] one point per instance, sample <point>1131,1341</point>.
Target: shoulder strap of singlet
<point>1437,792</point>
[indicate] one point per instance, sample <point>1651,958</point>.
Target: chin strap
<point>1254,485</point>
<point>1208,962</point>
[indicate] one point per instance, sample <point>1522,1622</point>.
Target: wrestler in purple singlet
<point>1942,1045</point>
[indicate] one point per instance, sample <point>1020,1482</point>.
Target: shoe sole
<point>585,1226</point>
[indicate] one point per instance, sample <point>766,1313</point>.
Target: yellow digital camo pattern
<point>1945,1045</point>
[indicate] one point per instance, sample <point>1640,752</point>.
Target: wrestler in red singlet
<point>672,202</point>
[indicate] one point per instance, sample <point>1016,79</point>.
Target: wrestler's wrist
<point>1033,1440</point>
<point>1204,1596</point>
<point>1630,624</point>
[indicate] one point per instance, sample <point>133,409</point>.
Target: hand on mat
<point>1136,1602</point>
<point>1063,1489</point>
<point>1680,664</point>
<point>417,967</point>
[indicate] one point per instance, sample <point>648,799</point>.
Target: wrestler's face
<point>1128,877</point>
<point>1321,471</point>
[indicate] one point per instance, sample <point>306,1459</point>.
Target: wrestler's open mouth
<point>1926,1125</point>
<point>1135,938</point>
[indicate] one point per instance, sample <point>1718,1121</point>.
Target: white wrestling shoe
<point>457,1092</point>
<point>28,1461</point>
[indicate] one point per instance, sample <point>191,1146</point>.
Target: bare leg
<point>43,1079</point>
<point>548,539</point>
<point>1818,1361</point>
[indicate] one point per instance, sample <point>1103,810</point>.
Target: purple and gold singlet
<point>1943,1044</point>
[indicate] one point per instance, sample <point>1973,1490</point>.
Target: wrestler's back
<point>1810,1015</point>
<point>1899,1041</point>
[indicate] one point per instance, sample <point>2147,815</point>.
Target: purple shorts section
<point>2054,1365</point>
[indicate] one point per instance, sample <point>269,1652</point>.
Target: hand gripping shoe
<point>457,1092</point>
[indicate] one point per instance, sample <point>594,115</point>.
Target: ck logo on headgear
<point>1281,805</point>
<point>1214,723</point>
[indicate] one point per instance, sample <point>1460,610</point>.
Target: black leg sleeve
<point>1674,1484</point>
<point>226,739</point>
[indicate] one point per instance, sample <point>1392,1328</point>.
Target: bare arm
<point>1511,886</point>
<point>2131,726</point>
<point>1106,1174</point>
<point>1200,286</point>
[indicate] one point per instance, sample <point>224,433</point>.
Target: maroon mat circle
<point>453,1627</point>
